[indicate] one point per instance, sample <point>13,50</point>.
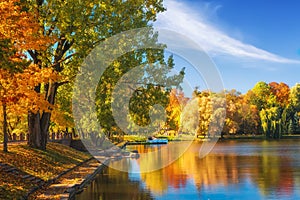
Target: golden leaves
<point>21,27</point>
<point>22,30</point>
<point>174,108</point>
<point>47,165</point>
<point>18,89</point>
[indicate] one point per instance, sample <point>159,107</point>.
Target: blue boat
<point>153,140</point>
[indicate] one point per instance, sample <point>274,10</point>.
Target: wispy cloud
<point>187,21</point>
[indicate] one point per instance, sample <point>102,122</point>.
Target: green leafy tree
<point>269,100</point>
<point>295,97</point>
<point>78,27</point>
<point>259,95</point>
<point>151,87</point>
<point>292,111</point>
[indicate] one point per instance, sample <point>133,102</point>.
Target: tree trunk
<point>5,139</point>
<point>34,130</point>
<point>38,124</point>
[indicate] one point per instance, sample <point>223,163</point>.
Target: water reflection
<point>112,184</point>
<point>153,157</point>
<point>234,170</point>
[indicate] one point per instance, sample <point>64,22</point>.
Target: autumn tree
<point>233,117</point>
<point>205,110</point>
<point>281,91</point>
<point>250,121</point>
<point>292,111</point>
<point>210,113</point>
<point>18,32</point>
<point>241,117</point>
<point>177,102</point>
<point>189,120</point>
<point>218,115</point>
<point>275,106</point>
<point>18,95</point>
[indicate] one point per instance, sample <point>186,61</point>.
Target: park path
<point>67,185</point>
<point>13,143</point>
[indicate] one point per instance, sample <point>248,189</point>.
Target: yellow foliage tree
<point>19,31</point>
<point>177,101</point>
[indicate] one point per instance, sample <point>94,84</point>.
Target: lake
<point>232,170</point>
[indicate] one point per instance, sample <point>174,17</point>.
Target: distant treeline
<point>271,109</point>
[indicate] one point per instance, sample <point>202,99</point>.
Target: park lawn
<point>135,138</point>
<point>143,138</point>
<point>45,165</point>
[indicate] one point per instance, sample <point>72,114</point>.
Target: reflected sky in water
<point>233,170</point>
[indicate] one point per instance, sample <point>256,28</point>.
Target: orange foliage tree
<point>177,101</point>
<point>19,31</point>
<point>281,91</point>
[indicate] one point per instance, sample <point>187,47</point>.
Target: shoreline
<point>224,138</point>
<point>72,181</point>
<point>259,137</point>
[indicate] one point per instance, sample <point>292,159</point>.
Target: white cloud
<point>187,21</point>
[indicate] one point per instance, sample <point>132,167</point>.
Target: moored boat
<point>153,140</point>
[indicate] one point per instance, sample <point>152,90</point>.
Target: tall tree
<point>78,27</point>
<point>151,87</point>
<point>233,107</point>
<point>295,97</point>
<point>19,31</point>
<point>17,93</point>
<point>189,120</point>
<point>250,123</point>
<point>282,93</point>
<point>177,101</point>
<point>259,95</point>
<point>292,112</point>
<point>275,104</point>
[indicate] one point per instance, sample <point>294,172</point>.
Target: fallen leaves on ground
<point>42,164</point>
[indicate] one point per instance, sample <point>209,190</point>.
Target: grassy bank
<point>241,137</point>
<point>141,138</point>
<point>44,165</point>
<point>259,137</point>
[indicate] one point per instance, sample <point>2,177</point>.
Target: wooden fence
<point>52,136</point>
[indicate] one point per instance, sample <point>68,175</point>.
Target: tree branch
<point>33,55</point>
<point>62,60</point>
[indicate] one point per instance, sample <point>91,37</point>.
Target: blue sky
<point>249,41</point>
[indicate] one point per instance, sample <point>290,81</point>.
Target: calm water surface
<point>233,170</point>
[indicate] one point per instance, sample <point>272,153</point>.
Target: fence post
<point>22,138</point>
<point>14,137</point>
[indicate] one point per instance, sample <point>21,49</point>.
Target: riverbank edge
<point>70,190</point>
<point>51,181</point>
<point>223,138</point>
<point>77,188</point>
